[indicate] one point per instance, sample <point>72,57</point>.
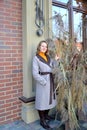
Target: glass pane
<point>60,22</point>
<point>80,4</point>
<point>75,3</point>
<point>85,32</point>
<point>63,1</point>
<point>78,26</point>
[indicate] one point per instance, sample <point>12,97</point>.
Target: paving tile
<point>21,125</point>
<point>1,127</point>
<point>21,128</point>
<point>36,125</point>
<point>54,123</point>
<point>27,126</point>
<point>85,125</point>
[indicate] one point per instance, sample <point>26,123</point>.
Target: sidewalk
<point>21,125</point>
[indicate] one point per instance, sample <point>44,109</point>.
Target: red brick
<point>10,67</point>
<point>5,97</point>
<point>11,92</point>
<point>1,59</point>
<point>5,21</point>
<point>5,72</point>
<point>17,118</point>
<point>5,105</point>
<point>17,79</point>
<point>11,75</point>
<point>1,85</point>
<point>11,51</point>
<point>4,55</point>
<point>11,100</point>
<point>1,51</point>
<point>17,95</point>
<point>5,63</point>
<point>16,102</point>
<point>17,87</point>
<point>2,119</point>
<point>20,90</point>
<point>17,111</point>
<point>11,84</point>
<point>5,121</point>
<point>10,59</point>
<point>2,110</point>
<point>5,80</point>
<point>2,94</point>
<point>5,114</point>
<point>2,76</point>
<point>4,88</point>
<point>11,108</point>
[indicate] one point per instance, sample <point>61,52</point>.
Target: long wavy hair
<point>38,47</point>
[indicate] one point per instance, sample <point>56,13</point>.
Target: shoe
<point>44,124</point>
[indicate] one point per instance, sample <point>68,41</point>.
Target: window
<point>78,26</point>
<point>60,21</point>
<point>64,1</point>
<point>73,15</point>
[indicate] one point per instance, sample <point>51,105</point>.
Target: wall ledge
<point>27,100</point>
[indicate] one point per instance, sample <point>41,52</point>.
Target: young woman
<point>42,72</point>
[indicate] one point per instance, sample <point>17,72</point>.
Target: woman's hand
<point>57,57</point>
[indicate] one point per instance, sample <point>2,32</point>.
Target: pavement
<point>54,124</point>
<point>21,125</point>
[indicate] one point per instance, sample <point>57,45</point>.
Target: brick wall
<point>11,71</point>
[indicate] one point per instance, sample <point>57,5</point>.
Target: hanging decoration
<point>39,18</point>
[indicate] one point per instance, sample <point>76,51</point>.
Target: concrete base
<point>29,113</point>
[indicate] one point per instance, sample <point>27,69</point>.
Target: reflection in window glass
<point>60,22</point>
<point>78,26</point>
<point>64,1</point>
<point>76,4</point>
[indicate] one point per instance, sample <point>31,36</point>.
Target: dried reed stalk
<point>69,74</point>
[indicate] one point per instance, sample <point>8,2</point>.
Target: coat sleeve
<point>35,72</point>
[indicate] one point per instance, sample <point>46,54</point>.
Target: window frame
<point>71,9</point>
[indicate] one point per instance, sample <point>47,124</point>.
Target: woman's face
<point>43,47</point>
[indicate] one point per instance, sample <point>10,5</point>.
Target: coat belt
<point>51,84</point>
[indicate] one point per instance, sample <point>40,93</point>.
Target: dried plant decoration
<point>70,77</point>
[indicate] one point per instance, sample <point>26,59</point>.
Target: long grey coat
<point>42,83</point>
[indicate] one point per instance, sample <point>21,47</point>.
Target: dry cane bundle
<point>69,76</point>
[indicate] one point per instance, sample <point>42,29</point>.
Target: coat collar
<point>42,59</point>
